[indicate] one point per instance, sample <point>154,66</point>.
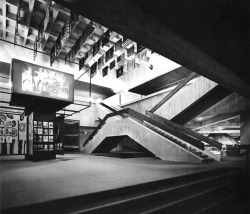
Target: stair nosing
<point>154,193</point>
<point>186,198</point>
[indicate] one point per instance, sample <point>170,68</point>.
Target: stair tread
<point>119,202</point>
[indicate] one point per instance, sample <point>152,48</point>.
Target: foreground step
<point>154,197</point>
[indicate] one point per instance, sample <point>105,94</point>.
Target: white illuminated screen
<point>44,82</point>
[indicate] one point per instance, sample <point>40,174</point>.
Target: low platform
<point>26,183</point>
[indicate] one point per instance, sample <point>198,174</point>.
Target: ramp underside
<point>152,141</point>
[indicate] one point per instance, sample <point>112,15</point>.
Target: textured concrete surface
<point>23,182</point>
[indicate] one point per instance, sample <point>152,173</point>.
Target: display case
<point>41,138</point>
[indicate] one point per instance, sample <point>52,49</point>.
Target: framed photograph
<point>45,125</point>
<point>45,132</point>
<point>2,123</point>
<point>9,131</point>
<point>1,139</point>
<point>39,124</point>
<point>40,147</point>
<point>1,131</point>
<point>50,131</point>
<point>51,138</point>
<point>45,147</point>
<point>35,147</point>
<point>8,139</point>
<point>45,139</point>
<point>35,123</point>
<point>51,125</point>
<point>8,124</point>
<point>35,131</point>
<point>22,127</point>
<point>40,138</point>
<point>40,131</point>
<point>50,147</point>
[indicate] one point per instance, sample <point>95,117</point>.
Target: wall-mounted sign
<point>39,81</point>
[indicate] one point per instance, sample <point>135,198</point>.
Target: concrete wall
<point>181,100</point>
<point>87,117</point>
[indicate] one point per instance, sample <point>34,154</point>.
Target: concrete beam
<point>218,119</point>
<point>205,102</point>
<point>28,18</point>
<point>173,92</point>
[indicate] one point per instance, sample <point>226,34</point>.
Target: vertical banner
<point>112,65</point>
<point>96,47</point>
<point>81,63</point>
<point>105,71</point>
<point>93,69</point>
<point>30,134</point>
<point>130,51</point>
<point>105,38</point>
<point>52,55</point>
<point>121,59</point>
<point>119,72</point>
<point>100,62</point>
<point>118,45</point>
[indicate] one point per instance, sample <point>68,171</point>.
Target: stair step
<point>200,200</point>
<point>206,160</point>
<point>203,156</point>
<point>161,198</point>
<point>197,153</point>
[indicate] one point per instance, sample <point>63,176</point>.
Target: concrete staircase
<point>183,144</point>
<point>150,134</point>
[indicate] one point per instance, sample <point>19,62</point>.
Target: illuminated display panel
<point>40,81</point>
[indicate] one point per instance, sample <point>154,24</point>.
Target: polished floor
<point>24,182</point>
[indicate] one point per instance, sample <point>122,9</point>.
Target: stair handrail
<point>103,121</point>
<point>108,107</point>
<point>185,130</point>
<point>142,118</point>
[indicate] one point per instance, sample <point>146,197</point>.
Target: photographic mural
<point>40,81</point>
<point>44,82</point>
<point>12,134</point>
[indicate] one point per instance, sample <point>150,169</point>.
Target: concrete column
<point>245,134</point>
<point>245,128</point>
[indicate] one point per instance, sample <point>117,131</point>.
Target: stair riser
<point>160,199</point>
<point>197,203</point>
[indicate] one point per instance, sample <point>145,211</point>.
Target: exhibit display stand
<point>43,92</point>
<point>41,136</point>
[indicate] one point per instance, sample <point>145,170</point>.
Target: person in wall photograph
<point>1,123</point>
<point>45,131</point>
<point>45,125</point>
<point>27,78</point>
<point>40,131</point>
<point>50,131</point>
<point>1,131</point>
<point>50,124</point>
<point>37,83</point>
